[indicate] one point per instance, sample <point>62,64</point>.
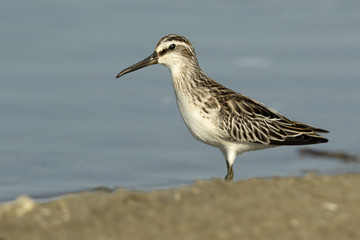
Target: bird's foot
<point>230,172</point>
<point>229,176</point>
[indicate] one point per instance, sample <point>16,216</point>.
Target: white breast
<point>203,126</point>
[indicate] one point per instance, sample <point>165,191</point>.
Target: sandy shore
<point>313,207</point>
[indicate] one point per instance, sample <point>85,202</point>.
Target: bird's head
<point>173,51</point>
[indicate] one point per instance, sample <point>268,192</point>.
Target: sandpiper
<point>219,116</point>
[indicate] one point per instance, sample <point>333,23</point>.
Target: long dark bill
<point>150,60</point>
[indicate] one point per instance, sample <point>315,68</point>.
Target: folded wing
<point>246,120</point>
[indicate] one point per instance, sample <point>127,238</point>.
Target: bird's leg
<point>230,173</point>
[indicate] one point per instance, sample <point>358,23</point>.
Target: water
<point>67,124</point>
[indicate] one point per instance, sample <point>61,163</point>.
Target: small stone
<point>329,206</point>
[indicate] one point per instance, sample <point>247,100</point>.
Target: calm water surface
<point>67,124</point>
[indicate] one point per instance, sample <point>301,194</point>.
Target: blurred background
<point>67,124</point>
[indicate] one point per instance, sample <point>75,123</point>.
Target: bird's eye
<point>172,46</point>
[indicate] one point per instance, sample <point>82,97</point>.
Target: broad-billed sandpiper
<point>219,116</point>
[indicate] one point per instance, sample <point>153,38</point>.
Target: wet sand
<point>312,207</point>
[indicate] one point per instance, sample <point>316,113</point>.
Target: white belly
<point>203,126</point>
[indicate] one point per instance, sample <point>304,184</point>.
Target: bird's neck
<point>186,78</point>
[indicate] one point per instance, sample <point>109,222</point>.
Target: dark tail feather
<point>308,127</point>
<point>319,130</point>
<point>302,139</point>
<point>308,135</point>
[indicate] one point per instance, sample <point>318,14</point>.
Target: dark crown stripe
<point>177,38</point>
<point>174,37</point>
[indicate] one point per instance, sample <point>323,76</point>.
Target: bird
<point>219,116</point>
